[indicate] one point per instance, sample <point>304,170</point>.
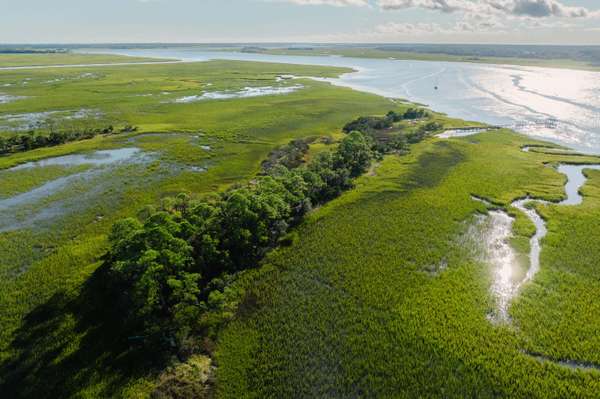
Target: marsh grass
<point>46,350</point>
<point>352,309</point>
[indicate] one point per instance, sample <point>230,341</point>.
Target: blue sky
<point>474,21</point>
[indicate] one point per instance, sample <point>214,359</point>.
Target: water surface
<point>575,180</point>
<point>97,158</point>
<point>246,92</point>
<point>44,202</point>
<point>494,94</point>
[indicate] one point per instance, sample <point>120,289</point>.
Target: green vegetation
<point>31,140</point>
<point>381,296</point>
<point>170,271</point>
<point>26,59</point>
<point>234,289</point>
<point>51,342</point>
<point>366,52</point>
<point>567,285</point>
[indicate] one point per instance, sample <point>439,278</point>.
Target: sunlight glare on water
<point>502,258</point>
<point>494,94</point>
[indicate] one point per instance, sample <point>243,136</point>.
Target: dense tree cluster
<point>291,155</point>
<point>369,124</point>
<point>415,113</point>
<point>31,141</point>
<point>422,132</point>
<point>171,270</point>
<point>387,139</point>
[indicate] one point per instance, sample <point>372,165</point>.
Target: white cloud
<point>515,8</point>
<point>512,8</point>
<point>465,26</point>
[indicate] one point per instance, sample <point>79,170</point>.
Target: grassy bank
<point>379,293</point>
<point>48,343</point>
<point>406,55</point>
<point>383,297</point>
<point>21,60</point>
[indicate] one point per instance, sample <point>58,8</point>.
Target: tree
<point>3,145</point>
<point>145,262</point>
<point>393,116</point>
<point>415,113</point>
<point>334,178</point>
<point>172,273</point>
<point>355,154</point>
<point>366,124</point>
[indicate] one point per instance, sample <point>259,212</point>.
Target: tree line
<point>30,141</point>
<point>170,271</point>
<point>367,124</point>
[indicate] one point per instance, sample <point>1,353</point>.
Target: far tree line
<point>31,141</point>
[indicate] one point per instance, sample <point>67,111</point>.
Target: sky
<point>356,21</point>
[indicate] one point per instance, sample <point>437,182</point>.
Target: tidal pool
<point>98,158</point>
<point>246,92</point>
<point>576,180</point>
<point>25,121</point>
<point>461,132</point>
<point>502,257</point>
<point>5,98</point>
<point>43,203</point>
<point>535,241</point>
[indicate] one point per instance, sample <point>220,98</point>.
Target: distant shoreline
<point>563,63</point>
<point>576,57</point>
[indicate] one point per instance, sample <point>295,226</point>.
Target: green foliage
<point>382,296</point>
<point>187,380</point>
<point>164,271</point>
<point>367,124</point>
<point>355,154</point>
<point>355,304</point>
<point>32,140</point>
<point>76,358</point>
<point>415,113</point>
<point>291,155</point>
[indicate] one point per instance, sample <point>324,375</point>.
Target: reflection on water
<point>5,99</point>
<point>102,157</point>
<point>246,92</point>
<point>27,121</point>
<point>535,241</point>
<point>494,94</point>
<point>36,205</point>
<point>501,256</point>
<point>576,180</point>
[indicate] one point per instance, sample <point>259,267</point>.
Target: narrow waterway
<point>575,181</point>
<point>500,254</point>
<point>502,258</point>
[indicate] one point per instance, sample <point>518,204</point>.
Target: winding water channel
<point>500,254</point>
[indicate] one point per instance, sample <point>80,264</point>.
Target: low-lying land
<point>51,241</point>
<point>436,54</point>
<point>61,58</point>
<point>384,295</point>
<point>381,292</point>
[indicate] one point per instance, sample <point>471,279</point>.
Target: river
<point>494,94</point>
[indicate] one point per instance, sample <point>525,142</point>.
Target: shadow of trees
<point>73,342</point>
